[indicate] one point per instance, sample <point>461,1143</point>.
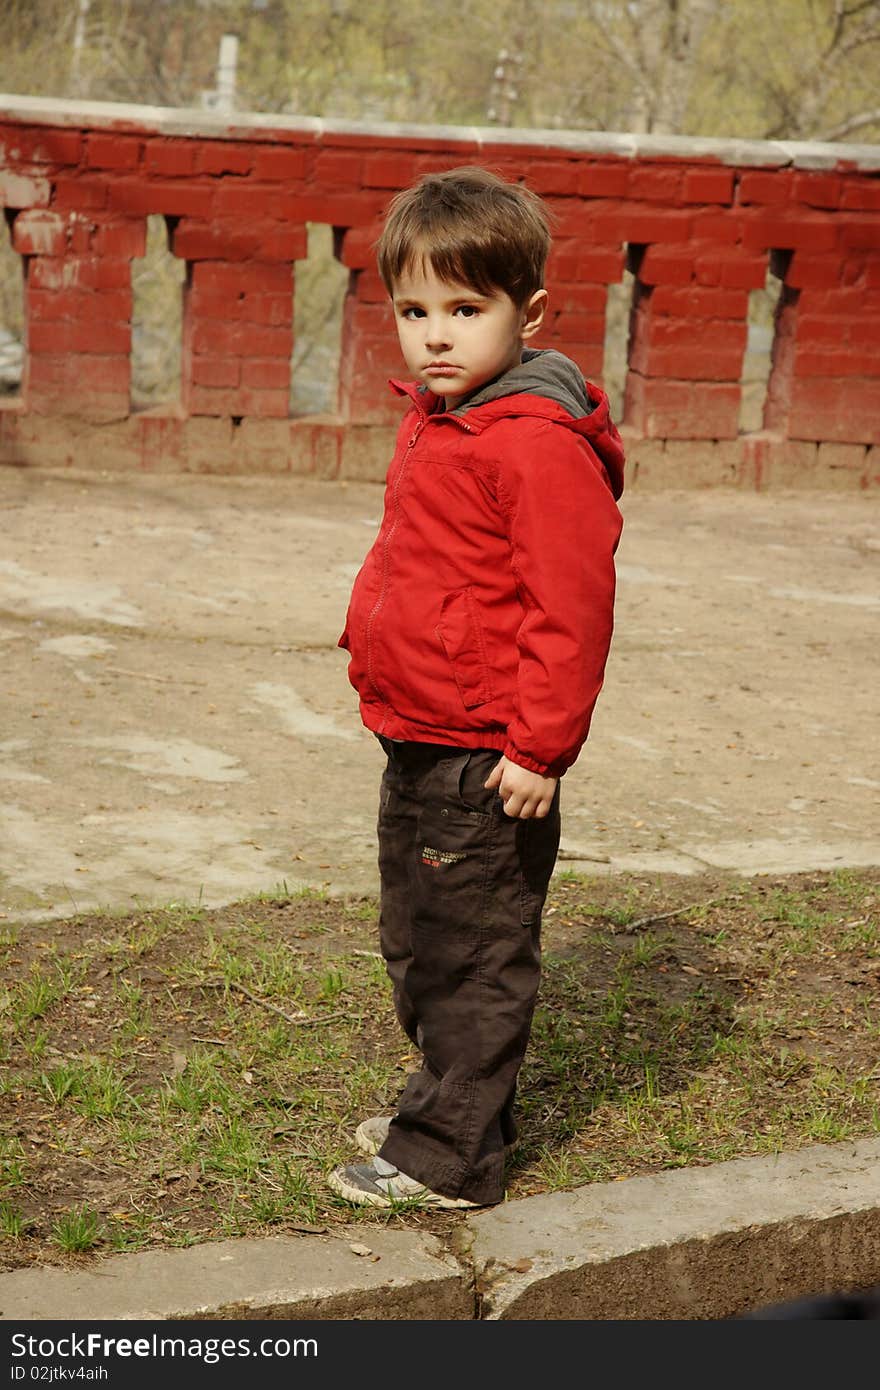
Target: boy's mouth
<point>441,368</point>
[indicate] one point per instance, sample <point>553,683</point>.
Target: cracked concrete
<point>177,723</point>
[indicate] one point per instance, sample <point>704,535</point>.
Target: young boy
<point>478,631</point>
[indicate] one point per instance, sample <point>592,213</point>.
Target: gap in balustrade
<point>758,354</point>
<point>320,285</point>
<point>11,314</point>
<point>157,320</point>
<point>617,328</point>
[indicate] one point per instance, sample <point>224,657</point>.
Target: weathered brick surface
<point>698,232</point>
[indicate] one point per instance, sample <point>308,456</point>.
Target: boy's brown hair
<point>472,228</point>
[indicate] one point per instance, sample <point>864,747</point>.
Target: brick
<point>280,243</point>
<point>713,228</point>
<point>80,306</point>
<point>279,163</point>
<point>205,241</point>
<point>241,339</point>
<point>834,362</point>
<point>819,272</point>
<point>174,198</point>
<point>843,411</point>
<point>862,234</point>
<point>557,176</point>
<point>367,286</point>
<point>686,363</point>
<point>335,209</point>
<point>662,409</point>
<point>389,170</point>
<point>80,193</point>
<point>655,184</point>
<point>220,157</point>
<point>91,339</point>
<point>577,328</point>
<point>366,449</point>
<point>817,190</point>
<point>700,302</point>
<point>707,186</point>
<point>171,158</point>
<point>805,231</point>
<point>244,197</point>
<point>59,373</point>
<point>760,186</point>
<point>604,180</point>
<point>40,233</point>
<point>731,270</point>
<point>685,463</point>
<point>266,373</point>
<point>86,273</point>
<point>666,265</point>
<point>257,277</point>
<point>643,225</point>
<point>273,309</point>
<point>205,400</point>
<point>125,239</point>
<point>853,301</point>
<point>215,371</point>
<point>112,151</point>
<point>600,267</point>
<point>23,190</point>
<point>861,194</point>
<point>356,246</point>
<point>776,462</point>
<point>844,464</point>
<point>578,298</point>
<point>335,169</point>
<point>41,145</point>
<point>216,304</point>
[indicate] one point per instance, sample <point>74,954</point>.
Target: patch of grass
<point>202,1070</point>
<point>12,1224</point>
<point>77,1230</point>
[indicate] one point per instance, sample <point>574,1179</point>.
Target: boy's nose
<point>437,337</point>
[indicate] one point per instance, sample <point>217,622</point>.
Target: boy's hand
<point>524,794</point>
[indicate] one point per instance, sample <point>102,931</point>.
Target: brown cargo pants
<point>462,888</point>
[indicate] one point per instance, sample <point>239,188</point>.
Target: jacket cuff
<point>554,769</point>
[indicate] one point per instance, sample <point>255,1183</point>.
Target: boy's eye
<point>467,311</point>
<point>413,312</point>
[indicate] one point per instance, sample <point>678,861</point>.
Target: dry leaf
<point>360,1249</point>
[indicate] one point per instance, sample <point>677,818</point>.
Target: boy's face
<point>453,338</point>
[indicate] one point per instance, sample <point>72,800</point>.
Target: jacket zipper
<point>386,544</point>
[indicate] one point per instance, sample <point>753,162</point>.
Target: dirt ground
<point>756,998</point>
<point>176,722</point>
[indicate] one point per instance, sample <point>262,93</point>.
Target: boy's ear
<point>533,314</point>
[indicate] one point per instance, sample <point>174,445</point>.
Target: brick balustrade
<point>697,222</point>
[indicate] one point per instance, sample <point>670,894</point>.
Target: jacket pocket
<point>460,633</point>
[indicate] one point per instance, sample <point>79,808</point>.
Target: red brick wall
<point>696,222</point>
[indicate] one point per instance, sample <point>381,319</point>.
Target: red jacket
<point>482,614</point>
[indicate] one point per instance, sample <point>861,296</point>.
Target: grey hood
<point>542,372</point>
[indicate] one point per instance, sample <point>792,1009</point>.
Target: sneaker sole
<point>338,1184</point>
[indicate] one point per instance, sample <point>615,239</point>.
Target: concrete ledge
<point>224,125</point>
<point>400,1274</point>
<point>696,1243</point>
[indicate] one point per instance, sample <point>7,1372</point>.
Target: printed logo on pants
<point>435,858</point>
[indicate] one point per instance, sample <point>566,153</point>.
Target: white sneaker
<point>380,1184</point>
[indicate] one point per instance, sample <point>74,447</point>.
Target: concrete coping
<point>696,1243</point>
<point>238,125</point>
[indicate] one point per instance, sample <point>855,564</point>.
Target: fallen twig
<point>676,912</point>
<point>149,676</point>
